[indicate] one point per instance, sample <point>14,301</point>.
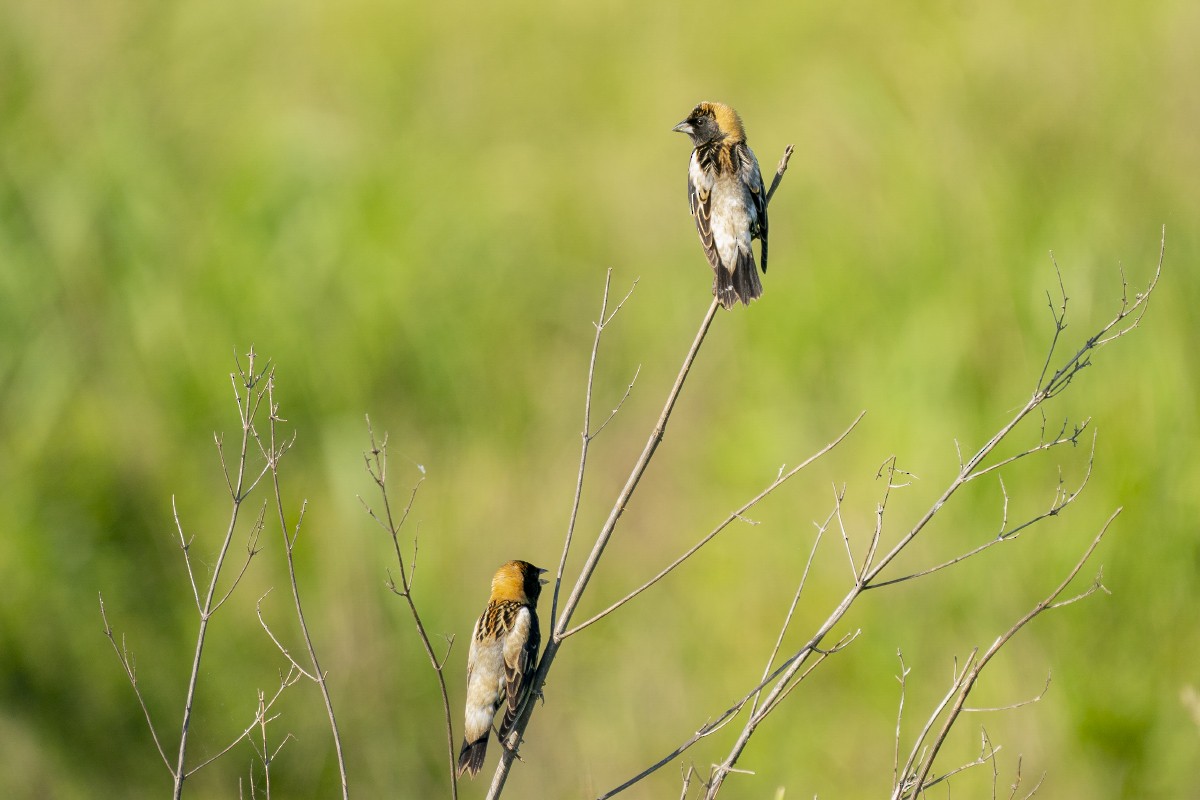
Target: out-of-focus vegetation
<point>410,208</point>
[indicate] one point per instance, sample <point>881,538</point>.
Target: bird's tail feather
<point>470,758</point>
<point>741,284</point>
<point>723,288</point>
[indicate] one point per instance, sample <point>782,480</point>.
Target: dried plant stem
<point>914,778</point>
<point>249,396</point>
<point>377,463</point>
<point>273,450</point>
<point>787,619</point>
<point>786,675</point>
<point>128,665</point>
<point>252,387</point>
<point>711,727</point>
<point>587,434</point>
<point>736,515</point>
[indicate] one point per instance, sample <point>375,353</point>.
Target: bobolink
<point>504,650</point>
<point>728,201</point>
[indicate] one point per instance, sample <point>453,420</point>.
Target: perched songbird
<point>504,650</point>
<point>727,198</point>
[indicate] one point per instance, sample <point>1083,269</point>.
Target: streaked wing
<point>520,660</point>
<point>473,648</point>
<point>752,176</point>
<point>699,201</point>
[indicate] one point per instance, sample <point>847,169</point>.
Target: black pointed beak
<point>542,580</point>
<point>684,127</point>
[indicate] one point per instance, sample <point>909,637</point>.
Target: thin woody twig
<point>1061,439</point>
<point>1021,703</point>
<point>914,785</point>
<point>131,673</point>
<point>377,462</point>
<point>274,450</point>
<point>252,549</point>
<point>1048,388</point>
<point>251,385</point>
<point>903,678</point>
<point>872,569</point>
<point>782,168</point>
<point>587,434</point>
<point>295,665</point>
<point>787,620</point>
<point>736,515</point>
<point>711,727</point>
<point>1059,502</point>
<point>987,754</point>
<point>185,545</point>
<point>248,403</point>
<point>260,718</point>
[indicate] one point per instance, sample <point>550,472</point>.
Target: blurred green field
<point>410,209</point>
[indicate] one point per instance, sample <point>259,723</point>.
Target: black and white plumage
<point>727,199</point>
<point>502,659</point>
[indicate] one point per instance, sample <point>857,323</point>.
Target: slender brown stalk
<point>1049,385</point>
<point>274,450</point>
<point>736,515</point>
<point>377,463</point>
<point>249,396</point>
<point>911,783</point>
<point>587,434</point>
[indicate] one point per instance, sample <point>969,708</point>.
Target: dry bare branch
<point>915,777</point>
<point>274,449</point>
<point>377,464</point>
<point>1060,501</point>
<point>711,727</point>
<point>249,394</point>
<point>787,620</point>
<point>736,515</point>
<point>586,435</point>
<point>903,679</point>
<point>868,577</point>
<point>131,674</point>
<point>260,718</point>
<point>1048,387</point>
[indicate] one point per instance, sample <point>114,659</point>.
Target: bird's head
<point>518,580</point>
<point>712,122</point>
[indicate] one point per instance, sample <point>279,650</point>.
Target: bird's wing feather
<point>752,178</point>
<point>700,203</point>
<point>520,658</point>
<point>471,651</point>
<point>516,656</point>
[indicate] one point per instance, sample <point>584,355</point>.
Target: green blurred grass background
<point>411,209</point>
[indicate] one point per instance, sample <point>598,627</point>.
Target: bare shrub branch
<point>869,576</point>
<point>587,435</point>
<point>915,777</point>
<point>261,718</point>
<point>376,460</point>
<point>736,515</point>
<point>253,390</point>
<point>273,449</point>
<point>249,394</point>
<point>127,664</point>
